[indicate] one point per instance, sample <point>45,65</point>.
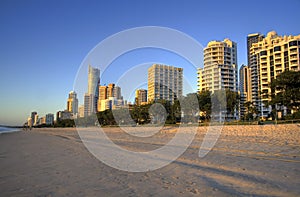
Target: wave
<point>8,130</point>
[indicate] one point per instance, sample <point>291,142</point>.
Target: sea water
<point>7,130</point>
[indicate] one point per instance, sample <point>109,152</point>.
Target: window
<point>293,43</point>
<point>263,53</point>
<point>278,48</point>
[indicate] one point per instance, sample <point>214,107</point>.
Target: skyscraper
<point>245,86</point>
<point>33,114</point>
<point>93,80</point>
<point>49,119</point>
<point>252,38</point>
<point>271,56</point>
<point>252,47</point>
<point>140,96</point>
<point>89,105</point>
<point>164,82</point>
<point>72,103</point>
<point>91,97</point>
<point>109,97</point>
<point>102,92</point>
<point>220,67</point>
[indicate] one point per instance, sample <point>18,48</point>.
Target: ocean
<point>8,130</point>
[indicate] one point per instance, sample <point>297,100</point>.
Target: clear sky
<point>42,43</point>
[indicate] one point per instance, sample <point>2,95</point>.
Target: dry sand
<point>246,161</point>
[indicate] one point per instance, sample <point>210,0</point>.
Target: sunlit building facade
<point>164,82</point>
<point>269,57</point>
<point>72,103</point>
<point>220,67</point>
<point>140,97</point>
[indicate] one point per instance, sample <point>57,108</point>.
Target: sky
<point>43,43</point>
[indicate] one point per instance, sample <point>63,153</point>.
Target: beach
<point>252,160</point>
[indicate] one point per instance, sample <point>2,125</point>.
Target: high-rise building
<point>252,46</point>
<point>245,86</point>
<point>140,97</point>
<point>220,67</point>
<point>109,97</point>
<point>64,115</point>
<point>29,122</point>
<point>33,114</point>
<point>91,97</point>
<point>252,38</point>
<point>49,119</point>
<point>72,103</point>
<point>113,91</point>
<point>102,92</point>
<point>89,105</point>
<point>36,120</point>
<point>81,111</point>
<point>164,82</point>
<point>271,56</point>
<point>93,80</point>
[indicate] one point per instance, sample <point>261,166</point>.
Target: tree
<point>251,111</point>
<point>285,90</point>
<point>232,100</point>
<point>204,99</point>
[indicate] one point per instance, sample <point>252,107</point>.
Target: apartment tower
<point>271,56</point>
<point>164,82</point>
<point>140,97</point>
<point>220,67</point>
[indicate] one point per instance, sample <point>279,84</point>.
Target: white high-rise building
<point>220,67</point>
<point>164,82</point>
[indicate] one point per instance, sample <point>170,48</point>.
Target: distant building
<point>93,80</point>
<point>49,119</point>
<point>81,111</point>
<point>29,122</point>
<point>141,97</point>
<point>244,88</point>
<point>89,105</point>
<point>33,114</point>
<point>105,104</point>
<point>91,97</point>
<point>42,120</point>
<point>36,120</point>
<point>109,97</point>
<point>113,91</point>
<point>111,103</point>
<point>164,82</point>
<point>63,115</point>
<point>102,92</point>
<point>72,103</point>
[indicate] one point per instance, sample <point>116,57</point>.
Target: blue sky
<point>44,42</point>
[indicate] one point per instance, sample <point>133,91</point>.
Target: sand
<point>258,160</point>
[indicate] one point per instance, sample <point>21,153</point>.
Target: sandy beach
<point>257,160</point>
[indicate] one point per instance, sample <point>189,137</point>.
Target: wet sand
<point>258,160</point>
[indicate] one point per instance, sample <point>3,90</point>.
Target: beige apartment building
<point>141,97</point>
<point>271,56</point>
